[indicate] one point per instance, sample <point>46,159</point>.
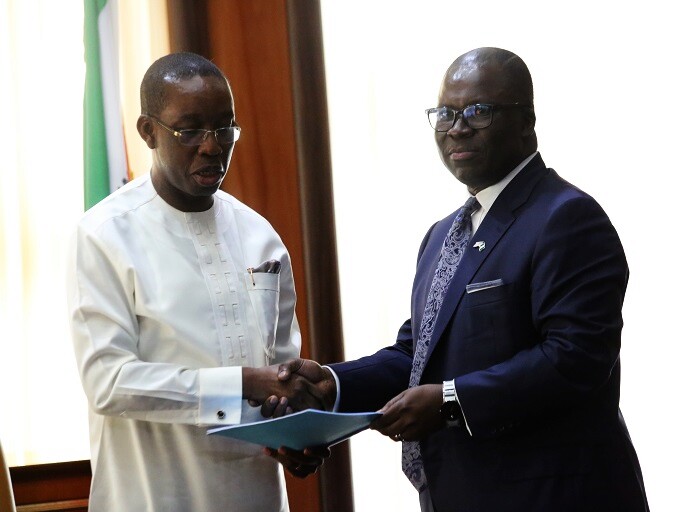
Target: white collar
<point>487,196</point>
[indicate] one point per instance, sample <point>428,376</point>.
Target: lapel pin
<point>480,246</point>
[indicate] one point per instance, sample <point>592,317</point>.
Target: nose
<point>459,127</point>
<point>210,145</point>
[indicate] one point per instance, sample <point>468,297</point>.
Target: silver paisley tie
<point>452,250</point>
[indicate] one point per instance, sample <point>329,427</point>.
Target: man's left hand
<point>300,463</point>
<point>412,414</point>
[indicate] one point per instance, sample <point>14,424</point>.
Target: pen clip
<point>250,270</point>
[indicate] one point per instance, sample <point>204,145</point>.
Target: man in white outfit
<point>180,299</point>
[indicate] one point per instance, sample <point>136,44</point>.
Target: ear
<point>146,130</point>
<point>529,122</point>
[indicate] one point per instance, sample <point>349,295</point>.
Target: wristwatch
<point>450,409</point>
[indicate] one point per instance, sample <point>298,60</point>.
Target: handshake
<point>292,386</point>
<point>301,384</point>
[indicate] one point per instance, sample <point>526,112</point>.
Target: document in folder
<point>300,430</point>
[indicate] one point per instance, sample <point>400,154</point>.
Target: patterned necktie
<point>452,250</point>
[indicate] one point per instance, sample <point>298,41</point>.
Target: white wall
<point>608,80</point>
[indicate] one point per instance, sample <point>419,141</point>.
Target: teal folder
<point>300,430</point>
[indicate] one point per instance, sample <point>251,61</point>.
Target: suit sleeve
<point>367,384</point>
<point>578,277</point>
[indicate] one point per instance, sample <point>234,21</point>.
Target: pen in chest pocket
<point>269,267</point>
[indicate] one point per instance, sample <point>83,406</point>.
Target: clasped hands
<point>301,384</point>
<point>282,389</point>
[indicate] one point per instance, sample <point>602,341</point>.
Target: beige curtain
<point>43,414</point>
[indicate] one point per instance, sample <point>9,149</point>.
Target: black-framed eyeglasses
<point>477,116</point>
<point>195,137</point>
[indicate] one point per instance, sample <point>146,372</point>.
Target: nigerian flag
<point>104,152</point>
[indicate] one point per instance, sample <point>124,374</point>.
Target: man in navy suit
<point>515,405</point>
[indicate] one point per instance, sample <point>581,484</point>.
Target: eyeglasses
<point>476,117</point>
<point>226,135</point>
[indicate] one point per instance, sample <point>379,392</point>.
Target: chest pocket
<point>263,290</point>
<point>485,316</point>
<point>485,292</point>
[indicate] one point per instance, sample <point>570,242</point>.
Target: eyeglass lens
<point>225,135</point>
<point>474,116</point>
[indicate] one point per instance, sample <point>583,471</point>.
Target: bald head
<point>172,69</point>
<point>512,71</point>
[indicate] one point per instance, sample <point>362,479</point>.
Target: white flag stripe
<point>109,68</point>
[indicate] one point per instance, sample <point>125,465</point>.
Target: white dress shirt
<point>164,315</point>
<point>487,196</point>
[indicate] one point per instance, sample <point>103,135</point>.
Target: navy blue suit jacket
<point>535,355</point>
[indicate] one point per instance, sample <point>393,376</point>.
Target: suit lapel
<point>498,220</point>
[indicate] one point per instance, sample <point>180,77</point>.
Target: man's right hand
<point>280,395</point>
<point>320,378</point>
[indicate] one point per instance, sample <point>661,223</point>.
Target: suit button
<point>221,415</point>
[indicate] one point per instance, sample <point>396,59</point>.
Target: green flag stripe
<point>96,167</point>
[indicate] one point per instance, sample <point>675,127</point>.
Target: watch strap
<point>450,409</point>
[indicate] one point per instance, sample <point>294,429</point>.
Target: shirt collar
<point>487,196</point>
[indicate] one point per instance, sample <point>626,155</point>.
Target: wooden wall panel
<point>271,52</point>
<point>274,58</point>
<point>249,41</point>
<point>50,487</point>
<point>318,221</point>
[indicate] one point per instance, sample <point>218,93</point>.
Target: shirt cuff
<point>221,395</point>
<point>337,388</point>
<point>466,423</point>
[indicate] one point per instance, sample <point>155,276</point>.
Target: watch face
<point>450,411</point>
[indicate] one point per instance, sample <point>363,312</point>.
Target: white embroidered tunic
<point>164,314</point>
